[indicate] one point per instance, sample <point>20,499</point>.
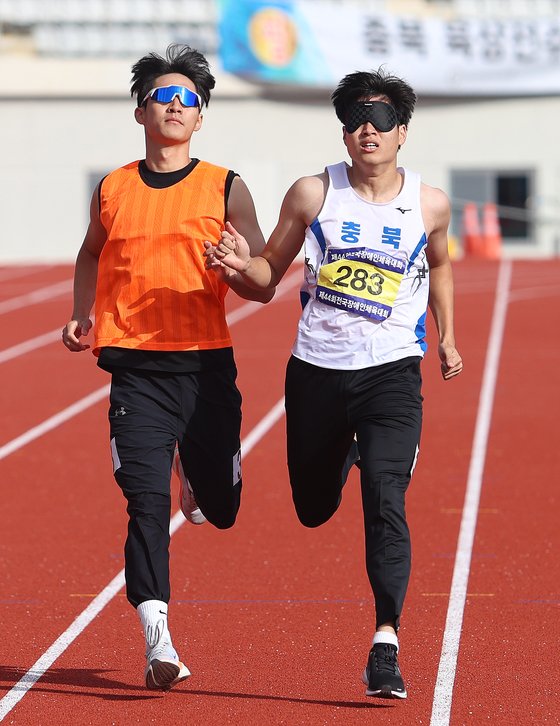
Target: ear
<point>403,130</point>
<point>139,115</point>
<point>198,123</point>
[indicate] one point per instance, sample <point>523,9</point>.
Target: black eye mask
<point>380,114</point>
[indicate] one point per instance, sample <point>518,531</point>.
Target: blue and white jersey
<point>366,285</point>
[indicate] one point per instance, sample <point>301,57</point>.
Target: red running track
<point>274,620</point>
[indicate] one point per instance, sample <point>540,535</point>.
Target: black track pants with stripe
<point>382,407</point>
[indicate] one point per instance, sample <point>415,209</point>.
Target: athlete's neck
<point>380,184</point>
<point>167,158</point>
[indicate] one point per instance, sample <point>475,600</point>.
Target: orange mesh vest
<point>153,291</point>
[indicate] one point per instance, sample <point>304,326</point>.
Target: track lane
<point>441,710</point>
<point>508,663</point>
<point>81,452</point>
<point>288,610</point>
<point>44,663</point>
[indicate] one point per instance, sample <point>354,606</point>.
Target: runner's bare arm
<point>85,280</point>
<point>299,208</point>
<point>436,211</point>
<point>242,215</point>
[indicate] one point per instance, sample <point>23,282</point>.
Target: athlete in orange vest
<point>161,331</point>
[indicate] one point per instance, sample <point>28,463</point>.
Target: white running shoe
<point>163,668</point>
<point>187,502</point>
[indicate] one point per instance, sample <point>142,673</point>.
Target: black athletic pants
<point>150,413</point>
<point>382,406</point>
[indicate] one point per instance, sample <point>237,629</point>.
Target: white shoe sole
<point>383,692</point>
<point>162,674</point>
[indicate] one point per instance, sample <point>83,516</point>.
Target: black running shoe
<point>382,675</point>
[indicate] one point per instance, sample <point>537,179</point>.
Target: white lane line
<point>531,293</point>
<point>243,311</point>
<point>13,272</point>
<point>443,693</point>
<point>29,345</point>
<point>251,306</point>
<point>38,669</point>
<point>37,296</point>
<point>262,428</point>
<point>27,681</point>
<point>54,421</point>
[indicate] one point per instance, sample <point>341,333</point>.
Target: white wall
<point>51,146</point>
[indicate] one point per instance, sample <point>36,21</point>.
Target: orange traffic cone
<point>491,233</point>
<point>472,238</point>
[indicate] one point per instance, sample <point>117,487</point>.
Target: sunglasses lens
<point>381,115</point>
<point>166,94</point>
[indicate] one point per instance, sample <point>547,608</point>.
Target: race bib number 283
<point>360,280</point>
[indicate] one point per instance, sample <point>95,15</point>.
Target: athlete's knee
<point>224,521</point>
<point>314,515</point>
<point>224,515</point>
<point>312,520</point>
<point>147,504</point>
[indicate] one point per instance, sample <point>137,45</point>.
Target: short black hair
<point>364,84</point>
<point>178,59</point>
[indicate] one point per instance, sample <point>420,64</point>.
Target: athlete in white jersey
<point>376,255</point>
<point>366,261</point>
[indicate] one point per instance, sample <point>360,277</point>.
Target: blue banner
<point>316,43</point>
<point>270,41</point>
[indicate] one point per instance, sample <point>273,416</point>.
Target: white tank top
<point>365,293</point>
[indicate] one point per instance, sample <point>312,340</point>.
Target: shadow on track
<point>95,683</point>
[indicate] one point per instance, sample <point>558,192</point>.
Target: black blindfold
<point>380,114</point>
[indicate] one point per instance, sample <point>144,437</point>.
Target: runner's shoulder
<point>434,200</point>
<point>307,194</point>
